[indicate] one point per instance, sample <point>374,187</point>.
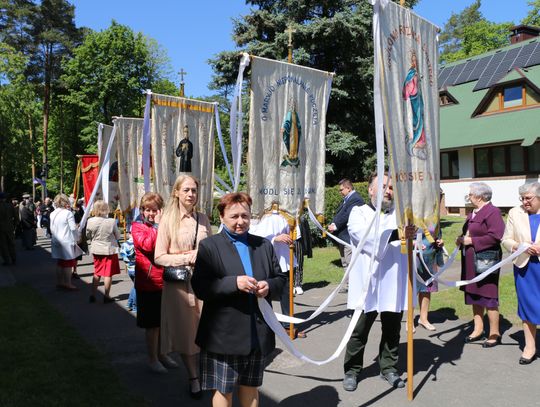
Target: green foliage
<point>468,34</point>
<point>533,17</point>
<point>332,198</point>
<point>334,36</point>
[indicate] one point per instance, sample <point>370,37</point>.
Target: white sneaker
<point>298,290</point>
<point>157,367</point>
<point>168,362</point>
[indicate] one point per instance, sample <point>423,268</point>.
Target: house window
<point>512,97</point>
<point>449,165</point>
<point>506,160</point>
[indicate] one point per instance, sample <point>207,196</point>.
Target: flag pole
<point>292,224</point>
<point>410,309</point>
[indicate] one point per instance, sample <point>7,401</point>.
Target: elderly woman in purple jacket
<point>483,231</point>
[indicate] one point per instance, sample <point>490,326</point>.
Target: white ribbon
<point>236,122</point>
<point>106,161</point>
<point>223,183</point>
<point>146,141</point>
<point>222,144</point>
<point>418,253</point>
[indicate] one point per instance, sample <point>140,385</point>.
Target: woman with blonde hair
<point>65,235</point>
<point>103,235</point>
<point>180,231</point>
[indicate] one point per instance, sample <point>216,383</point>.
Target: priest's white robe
<point>270,226</point>
<point>387,287</point>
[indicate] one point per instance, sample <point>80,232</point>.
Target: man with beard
<point>386,288</point>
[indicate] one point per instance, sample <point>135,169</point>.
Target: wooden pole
<point>291,278</point>
<point>410,311</point>
<point>410,322</point>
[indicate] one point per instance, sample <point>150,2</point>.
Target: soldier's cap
<point>25,196</point>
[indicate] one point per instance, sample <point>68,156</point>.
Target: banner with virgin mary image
<point>407,57</point>
<point>287,129</point>
<point>182,142</point>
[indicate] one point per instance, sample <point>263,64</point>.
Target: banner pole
<point>410,321</point>
<point>291,279</point>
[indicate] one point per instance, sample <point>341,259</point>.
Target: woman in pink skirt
<point>103,236</point>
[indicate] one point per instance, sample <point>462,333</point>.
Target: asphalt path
<point>447,372</point>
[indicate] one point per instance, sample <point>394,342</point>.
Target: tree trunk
<point>46,108</point>
<point>32,157</point>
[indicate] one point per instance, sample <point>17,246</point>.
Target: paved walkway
<point>447,372</point>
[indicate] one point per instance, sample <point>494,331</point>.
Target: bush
<point>333,198</point>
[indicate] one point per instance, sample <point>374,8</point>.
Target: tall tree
<point>533,16</point>
<point>55,35</point>
<point>331,35</point>
<point>468,34</point>
<point>19,113</point>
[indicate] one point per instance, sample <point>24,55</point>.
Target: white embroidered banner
<point>182,139</point>
<point>406,49</point>
<point>130,176</point>
<point>287,128</point>
<point>109,184</point>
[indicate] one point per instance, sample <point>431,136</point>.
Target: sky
<point>191,32</point>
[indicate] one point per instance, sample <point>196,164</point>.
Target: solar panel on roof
<point>522,57</point>
<point>462,77</point>
<point>534,59</point>
<point>480,67</point>
<point>443,74</point>
<point>490,70</point>
<point>501,71</point>
<point>473,65</point>
<point>511,54</point>
<point>455,73</point>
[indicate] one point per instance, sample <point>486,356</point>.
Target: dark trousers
<point>388,347</point>
<point>7,246</point>
<point>284,300</point>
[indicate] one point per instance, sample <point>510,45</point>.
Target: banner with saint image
<point>407,57</point>
<point>182,142</point>
<point>287,129</point>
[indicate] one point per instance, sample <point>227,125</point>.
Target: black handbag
<point>181,273</point>
<point>486,259</point>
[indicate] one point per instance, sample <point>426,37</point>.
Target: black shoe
<point>108,300</point>
<point>195,394</point>
<point>487,344</point>
<point>393,380</point>
<point>469,339</point>
<point>92,299</point>
<point>75,276</point>
<point>350,382</point>
<point>525,361</point>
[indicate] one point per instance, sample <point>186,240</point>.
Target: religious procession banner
<point>109,181</point>
<point>406,57</point>
<point>287,128</point>
<point>129,133</point>
<point>182,142</point>
<point>90,172</point>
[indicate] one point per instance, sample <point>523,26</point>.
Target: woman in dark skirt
<point>483,231</point>
<point>149,279</point>
<point>233,269</point>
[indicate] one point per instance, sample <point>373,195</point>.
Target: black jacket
<point>342,215</point>
<point>225,325</point>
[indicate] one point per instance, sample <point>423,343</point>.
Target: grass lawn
<point>46,363</point>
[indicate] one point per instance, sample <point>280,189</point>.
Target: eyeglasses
<point>527,198</point>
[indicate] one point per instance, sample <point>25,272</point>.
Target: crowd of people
<point>195,293</point>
